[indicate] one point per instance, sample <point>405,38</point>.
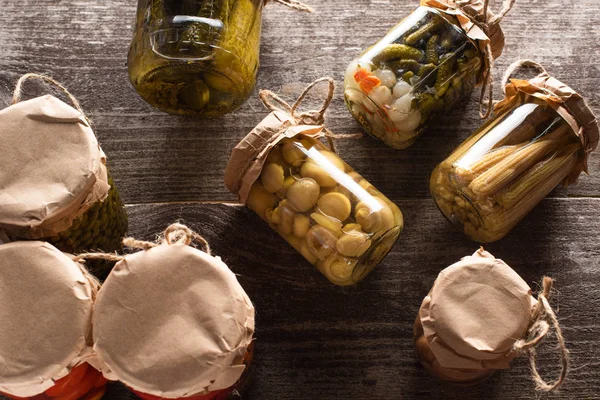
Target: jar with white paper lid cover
<point>172,322</point>
<point>46,304</point>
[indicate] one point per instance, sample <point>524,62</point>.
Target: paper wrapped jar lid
<point>51,170</point>
<point>45,316</point>
<point>172,321</point>
<point>476,311</point>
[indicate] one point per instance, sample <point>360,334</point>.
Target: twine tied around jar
<point>295,5</point>
<point>488,22</point>
<point>18,92</point>
<point>175,233</point>
<point>312,117</point>
<point>543,318</point>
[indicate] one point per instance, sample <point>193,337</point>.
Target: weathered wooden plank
<point>156,157</point>
<point>315,340</point>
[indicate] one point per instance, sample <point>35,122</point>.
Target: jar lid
<point>52,168</point>
<point>476,311</point>
<point>45,316</point>
<point>172,321</point>
<point>562,98</point>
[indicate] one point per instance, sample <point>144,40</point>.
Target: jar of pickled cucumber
<point>46,302</point>
<point>191,339</point>
<point>319,204</point>
<point>54,180</point>
<point>478,317</point>
<point>541,136</point>
<point>421,68</point>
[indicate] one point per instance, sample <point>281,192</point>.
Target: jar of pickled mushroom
<point>46,302</point>
<point>196,57</point>
<point>191,338</point>
<point>54,180</point>
<point>479,316</point>
<point>541,136</point>
<point>422,67</point>
<point>321,206</point>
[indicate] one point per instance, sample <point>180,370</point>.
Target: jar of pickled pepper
<point>319,204</point>
<point>54,180</point>
<point>196,57</point>
<point>541,136</point>
<point>478,317</point>
<point>192,338</point>
<point>421,68</point>
<point>46,302</point>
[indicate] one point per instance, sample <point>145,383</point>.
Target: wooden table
<point>315,340</point>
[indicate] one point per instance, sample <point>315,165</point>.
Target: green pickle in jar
<point>419,70</point>
<point>328,212</point>
<point>540,138</point>
<point>195,57</point>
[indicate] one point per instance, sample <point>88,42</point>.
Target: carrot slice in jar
<point>366,80</point>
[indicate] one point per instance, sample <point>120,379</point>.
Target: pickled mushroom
<point>291,152</point>
<point>260,200</point>
<point>353,243</point>
<point>373,221</point>
<point>338,269</point>
<point>301,225</point>
<point>303,194</point>
<point>272,177</point>
<point>312,170</point>
<point>321,241</point>
<point>335,205</point>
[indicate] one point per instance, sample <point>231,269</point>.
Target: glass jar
<point>502,171</point>
<point>329,213</point>
<point>418,70</point>
<point>195,57</point>
<point>83,382</point>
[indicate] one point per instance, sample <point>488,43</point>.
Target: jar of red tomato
<point>45,325</point>
<point>173,322</point>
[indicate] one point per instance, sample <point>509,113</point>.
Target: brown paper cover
<point>477,309</point>
<point>248,157</point>
<point>52,168</point>
<point>567,103</point>
<point>474,27</point>
<point>172,322</point>
<point>45,317</point>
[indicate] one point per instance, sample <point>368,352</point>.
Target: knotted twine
<point>175,233</point>
<point>18,92</point>
<point>312,117</point>
<point>543,318</point>
<point>487,21</point>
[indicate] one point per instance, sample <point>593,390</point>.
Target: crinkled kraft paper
<point>52,169</point>
<point>493,35</point>
<point>172,322</point>
<point>566,102</point>
<point>475,312</point>
<point>248,157</point>
<point>45,317</point>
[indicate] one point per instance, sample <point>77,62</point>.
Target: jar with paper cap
<point>320,205</point>
<point>541,136</point>
<point>55,183</point>
<point>479,316</point>
<point>197,57</point>
<point>172,321</point>
<point>423,67</point>
<point>46,302</point>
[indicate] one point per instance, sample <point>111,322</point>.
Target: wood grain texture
<point>315,340</point>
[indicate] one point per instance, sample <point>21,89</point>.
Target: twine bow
<point>18,92</point>
<point>544,318</point>
<point>174,234</point>
<point>312,117</point>
<point>520,64</point>
<point>485,23</point>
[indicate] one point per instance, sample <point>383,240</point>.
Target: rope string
<point>485,105</point>
<point>544,318</point>
<point>295,5</point>
<point>18,92</point>
<point>521,64</point>
<point>174,234</point>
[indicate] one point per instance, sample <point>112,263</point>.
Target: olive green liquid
<point>195,57</point>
